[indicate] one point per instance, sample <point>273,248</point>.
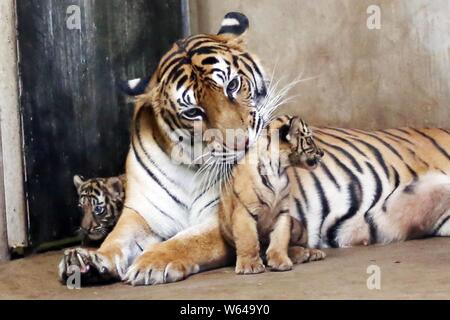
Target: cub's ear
<point>78,181</point>
<point>284,132</point>
<point>234,25</point>
<point>134,87</point>
<point>115,185</point>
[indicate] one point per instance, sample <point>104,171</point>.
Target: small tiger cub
<point>101,201</point>
<point>254,204</point>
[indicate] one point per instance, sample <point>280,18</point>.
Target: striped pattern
<point>101,201</point>
<point>368,186</point>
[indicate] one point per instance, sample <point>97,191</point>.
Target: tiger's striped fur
<point>375,187</point>
<point>254,205</point>
<point>101,202</point>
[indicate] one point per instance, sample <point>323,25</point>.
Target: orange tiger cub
<point>254,205</point>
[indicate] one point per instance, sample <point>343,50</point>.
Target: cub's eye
<point>99,210</point>
<point>234,86</point>
<point>193,114</point>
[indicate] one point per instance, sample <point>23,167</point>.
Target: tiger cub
<point>101,201</point>
<point>254,205</point>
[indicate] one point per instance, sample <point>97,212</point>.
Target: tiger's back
<point>375,187</point>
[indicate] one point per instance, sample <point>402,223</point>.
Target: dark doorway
<point>72,52</point>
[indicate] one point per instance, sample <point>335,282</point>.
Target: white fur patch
<point>228,22</point>
<point>134,83</point>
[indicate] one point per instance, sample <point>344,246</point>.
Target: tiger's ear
<point>78,181</point>
<point>234,26</point>
<point>294,127</point>
<point>115,185</point>
<point>134,87</point>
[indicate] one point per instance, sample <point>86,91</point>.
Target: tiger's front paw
<point>278,261</point>
<point>157,268</point>
<point>92,267</point>
<point>249,265</point>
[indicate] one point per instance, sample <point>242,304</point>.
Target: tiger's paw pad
<point>152,269</point>
<point>279,262</point>
<point>246,265</point>
<point>91,266</point>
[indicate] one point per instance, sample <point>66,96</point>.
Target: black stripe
<point>151,175</point>
<point>355,192</point>
<point>301,213</point>
<point>346,141</point>
<point>210,204</point>
<point>436,230</point>
<point>405,131</point>
<point>238,197</point>
<point>341,131</point>
<point>384,143</point>
<point>154,178</point>
<point>396,184</point>
<point>160,210</point>
<point>444,130</point>
<point>435,143</point>
<point>330,175</point>
<point>396,136</point>
<point>347,154</point>
<point>378,156</point>
<point>302,189</point>
<point>325,206</point>
<point>368,216</point>
<point>264,179</point>
<point>181,82</point>
<point>141,145</point>
<point>210,60</point>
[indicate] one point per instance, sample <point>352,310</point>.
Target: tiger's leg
<point>112,259</point>
<point>246,239</point>
<point>277,252</point>
<point>416,211</point>
<point>196,249</point>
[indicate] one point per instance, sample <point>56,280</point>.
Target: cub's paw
<point>91,266</point>
<point>317,255</point>
<point>157,268</point>
<point>302,255</point>
<point>278,261</point>
<point>249,265</point>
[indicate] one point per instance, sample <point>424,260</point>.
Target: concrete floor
<point>411,270</point>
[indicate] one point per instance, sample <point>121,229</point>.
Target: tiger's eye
<point>233,86</point>
<point>193,114</point>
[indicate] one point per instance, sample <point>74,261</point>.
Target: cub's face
<point>209,89</point>
<point>297,142</point>
<point>101,202</point>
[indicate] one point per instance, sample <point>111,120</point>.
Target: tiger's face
<point>208,90</point>
<point>101,202</point>
<point>297,142</point>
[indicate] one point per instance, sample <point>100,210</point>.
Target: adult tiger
<point>169,225</point>
<point>372,187</point>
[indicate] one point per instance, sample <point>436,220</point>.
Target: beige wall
<point>396,76</point>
